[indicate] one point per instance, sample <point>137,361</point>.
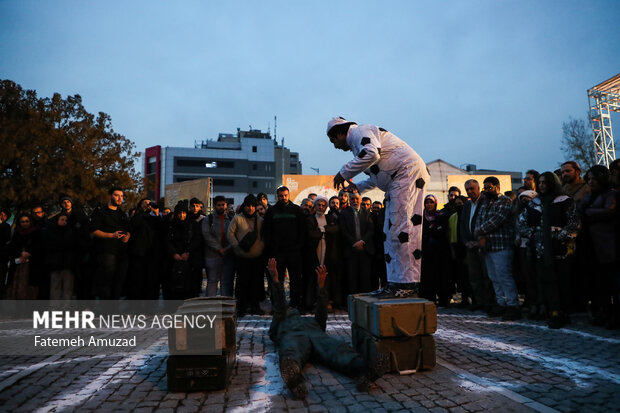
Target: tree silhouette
<point>53,146</point>
<point>578,143</point>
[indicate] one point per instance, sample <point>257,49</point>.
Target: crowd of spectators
<point>149,251</point>
<point>548,250</point>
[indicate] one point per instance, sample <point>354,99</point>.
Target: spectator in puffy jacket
<point>250,287</point>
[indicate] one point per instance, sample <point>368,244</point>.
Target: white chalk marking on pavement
<point>70,398</point>
<point>9,381</point>
<point>261,392</point>
<point>540,327</point>
<point>475,382</point>
<point>574,370</point>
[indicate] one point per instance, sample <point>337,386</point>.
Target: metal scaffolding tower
<point>603,99</point>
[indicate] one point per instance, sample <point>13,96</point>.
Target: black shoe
<point>476,307</point>
<point>397,290</point>
<point>557,320</point>
<point>511,313</point>
<point>256,310</point>
<point>496,311</point>
<point>532,312</point>
<point>291,374</point>
<point>381,365</point>
<point>362,383</point>
<point>464,304</point>
<point>443,302</point>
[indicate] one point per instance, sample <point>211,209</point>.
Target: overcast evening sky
<point>484,82</point>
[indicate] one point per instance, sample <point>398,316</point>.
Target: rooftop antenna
<point>315,170</point>
<point>275,128</point>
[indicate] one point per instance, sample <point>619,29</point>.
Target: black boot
<point>397,290</point>
<point>291,374</point>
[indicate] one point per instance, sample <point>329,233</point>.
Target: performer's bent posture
<point>301,339</point>
<point>394,167</point>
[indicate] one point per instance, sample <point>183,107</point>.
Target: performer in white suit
<point>394,167</point>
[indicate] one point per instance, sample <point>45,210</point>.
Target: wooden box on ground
<point>197,340</point>
<point>198,373</point>
<point>397,317</point>
<point>403,355</point>
<point>203,358</point>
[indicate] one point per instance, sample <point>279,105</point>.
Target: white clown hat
<point>337,120</point>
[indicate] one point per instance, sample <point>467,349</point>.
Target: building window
<point>226,164</point>
<point>204,163</point>
<point>192,163</point>
<point>224,182</point>
<point>254,184</point>
<point>293,165</point>
<point>151,165</point>
<point>254,167</point>
<point>254,149</point>
<point>189,178</point>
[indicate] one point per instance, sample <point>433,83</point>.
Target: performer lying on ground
<point>302,339</point>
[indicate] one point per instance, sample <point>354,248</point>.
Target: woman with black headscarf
<point>24,250</point>
<point>553,223</point>
<point>244,235</point>
<point>435,285</point>
<point>183,243</point>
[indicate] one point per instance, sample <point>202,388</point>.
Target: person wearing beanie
<point>250,286</point>
<point>262,199</point>
<point>219,256</point>
<point>394,167</point>
<point>78,221</point>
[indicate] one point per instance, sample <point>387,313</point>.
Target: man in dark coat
<point>357,230</point>
<point>283,233</point>
<point>110,230</point>
<point>302,339</point>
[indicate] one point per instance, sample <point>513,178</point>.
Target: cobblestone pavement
<point>483,365</point>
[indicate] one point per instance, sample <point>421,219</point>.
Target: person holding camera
<point>110,231</point>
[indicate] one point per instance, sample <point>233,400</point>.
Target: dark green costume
<point>301,339</point>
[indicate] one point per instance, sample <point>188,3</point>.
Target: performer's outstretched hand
<point>321,275</point>
<point>272,267</point>
<point>338,181</point>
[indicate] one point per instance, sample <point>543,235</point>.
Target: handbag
<point>180,277</point>
<point>250,238</point>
